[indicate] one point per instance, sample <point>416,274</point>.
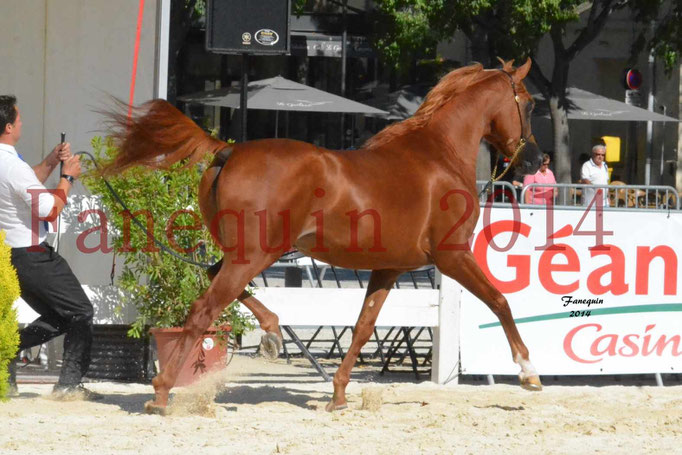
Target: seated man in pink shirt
<point>540,194</point>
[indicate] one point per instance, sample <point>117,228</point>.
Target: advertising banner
<point>592,292</point>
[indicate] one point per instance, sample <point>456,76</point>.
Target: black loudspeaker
<point>248,26</point>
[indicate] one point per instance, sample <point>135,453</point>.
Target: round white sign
<point>207,344</point>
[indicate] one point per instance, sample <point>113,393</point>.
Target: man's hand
<point>72,166</point>
<point>61,152</point>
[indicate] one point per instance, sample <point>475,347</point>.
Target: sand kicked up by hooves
<point>372,398</point>
<point>258,407</point>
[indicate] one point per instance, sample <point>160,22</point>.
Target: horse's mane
<point>451,84</point>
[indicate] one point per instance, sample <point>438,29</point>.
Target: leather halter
<point>522,140</point>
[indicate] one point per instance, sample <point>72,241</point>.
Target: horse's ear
<point>522,71</point>
<point>506,66</point>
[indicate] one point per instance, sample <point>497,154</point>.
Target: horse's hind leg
<point>380,283</point>
<point>462,266</point>
<point>222,291</point>
<point>271,341</point>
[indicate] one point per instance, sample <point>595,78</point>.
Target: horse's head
<point>510,131</point>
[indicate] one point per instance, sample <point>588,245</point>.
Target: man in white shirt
<point>47,283</point>
<point>595,172</point>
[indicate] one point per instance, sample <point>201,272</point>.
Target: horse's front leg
<point>462,267</point>
<point>222,291</point>
<point>380,283</point>
<point>271,341</point>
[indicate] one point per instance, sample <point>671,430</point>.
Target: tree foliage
<point>512,29</point>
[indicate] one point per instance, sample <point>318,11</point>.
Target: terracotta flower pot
<point>207,355</point>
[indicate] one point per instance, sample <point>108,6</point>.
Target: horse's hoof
<point>532,383</point>
<point>150,407</point>
<point>270,344</point>
<point>331,406</point>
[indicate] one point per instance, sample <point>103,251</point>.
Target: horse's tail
<point>156,135</point>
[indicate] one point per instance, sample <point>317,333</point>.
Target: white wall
<point>66,57</point>
<point>63,59</point>
<point>22,56</point>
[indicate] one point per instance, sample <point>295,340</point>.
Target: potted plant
<point>160,286</point>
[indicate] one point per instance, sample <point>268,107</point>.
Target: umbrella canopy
<point>584,105</point>
<point>280,94</point>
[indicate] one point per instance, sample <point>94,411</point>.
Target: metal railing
<point>301,271</point>
<point>627,196</point>
<point>500,192</point>
<point>636,197</point>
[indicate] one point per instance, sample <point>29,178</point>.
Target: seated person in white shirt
<point>595,172</point>
<point>47,283</point>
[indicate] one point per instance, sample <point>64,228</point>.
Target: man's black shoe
<point>74,393</point>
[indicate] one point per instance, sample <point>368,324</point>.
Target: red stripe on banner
<point>140,14</point>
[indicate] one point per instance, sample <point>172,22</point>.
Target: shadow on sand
<point>234,395</point>
<point>267,394</point>
<point>132,403</point>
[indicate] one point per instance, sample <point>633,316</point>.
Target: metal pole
<point>243,99</point>
<point>276,123</point>
<point>659,379</point>
<point>662,168</point>
<point>59,218</point>
<point>344,37</point>
<point>161,51</point>
<point>650,106</point>
<point>306,353</point>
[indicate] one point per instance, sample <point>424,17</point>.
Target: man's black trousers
<point>49,287</point>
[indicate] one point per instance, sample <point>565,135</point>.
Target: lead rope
<point>494,179</point>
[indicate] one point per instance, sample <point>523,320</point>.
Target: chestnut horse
<point>415,179</point>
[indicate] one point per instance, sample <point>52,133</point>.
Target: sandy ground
<point>259,407</point>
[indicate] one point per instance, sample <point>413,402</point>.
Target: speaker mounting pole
<point>248,27</point>
<point>243,98</point>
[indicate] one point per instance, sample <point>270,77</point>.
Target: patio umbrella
<point>280,94</point>
<point>584,105</point>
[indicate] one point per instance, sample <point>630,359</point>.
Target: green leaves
<point>9,330</point>
<point>161,287</point>
<point>404,29</point>
<point>408,29</point>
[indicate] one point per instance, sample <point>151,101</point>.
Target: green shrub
<point>161,287</point>
<point>9,329</point>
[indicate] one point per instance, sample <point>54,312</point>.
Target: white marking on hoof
<point>331,407</point>
<point>527,368</point>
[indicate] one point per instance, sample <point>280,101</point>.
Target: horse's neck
<point>462,123</point>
